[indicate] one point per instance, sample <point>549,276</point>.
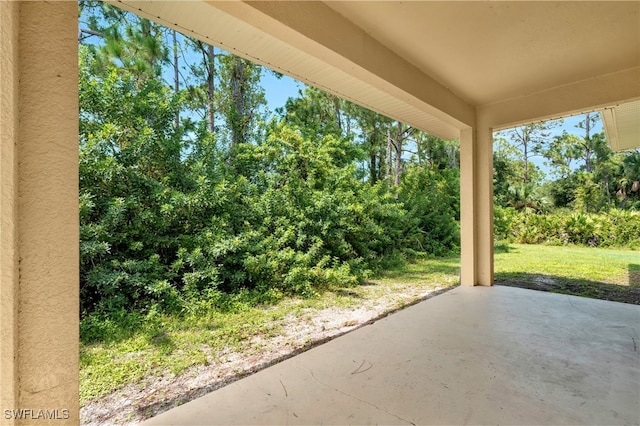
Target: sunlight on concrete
<point>495,355</point>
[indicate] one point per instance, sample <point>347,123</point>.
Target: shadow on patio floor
<point>577,287</point>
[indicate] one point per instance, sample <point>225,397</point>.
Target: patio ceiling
<point>486,52</point>
<point>435,65</point>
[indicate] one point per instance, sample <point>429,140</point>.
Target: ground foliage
<point>616,228</point>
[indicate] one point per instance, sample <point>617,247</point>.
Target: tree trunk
<point>176,72</point>
<point>453,159</point>
<point>238,93</point>
<point>587,137</point>
<point>373,178</point>
<point>389,155</point>
<point>398,147</point>
<point>336,106</point>
<point>210,65</point>
<point>525,147</point>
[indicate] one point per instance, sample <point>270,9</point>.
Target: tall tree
<point>531,141</point>
<point>435,152</point>
<point>508,171</point>
<point>176,70</point>
<point>242,96</point>
<point>397,135</point>
<point>203,70</point>
<point>590,119</point>
<point>319,114</point>
<point>561,153</point>
<point>210,65</point>
<point>374,136</point>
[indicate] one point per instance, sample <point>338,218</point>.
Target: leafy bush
<point>616,228</point>
<point>503,221</point>
<point>169,221</point>
<point>161,231</point>
<point>432,202</point>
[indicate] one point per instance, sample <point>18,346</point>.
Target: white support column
<point>476,205</point>
<point>468,239</point>
<point>39,226</point>
<point>484,203</point>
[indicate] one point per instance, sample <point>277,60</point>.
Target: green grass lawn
<point>135,347</point>
<point>157,345</point>
<point>584,271</point>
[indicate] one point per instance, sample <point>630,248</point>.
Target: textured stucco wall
<point>45,227</point>
<point>8,194</point>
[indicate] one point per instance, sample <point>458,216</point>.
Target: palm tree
<point>631,165</point>
<point>523,196</point>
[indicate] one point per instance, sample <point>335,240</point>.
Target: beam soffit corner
<point>579,97</point>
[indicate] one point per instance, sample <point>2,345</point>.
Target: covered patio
<point>468,356</point>
<point>454,69</point>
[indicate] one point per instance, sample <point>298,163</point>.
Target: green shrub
<point>432,202</point>
<point>503,218</point>
<point>615,228</point>
<point>169,221</point>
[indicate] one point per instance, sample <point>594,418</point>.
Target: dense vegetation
<point>613,228</point>
<point>191,190</point>
<point>592,198</point>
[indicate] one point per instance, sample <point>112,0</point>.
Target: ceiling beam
<point>571,99</point>
<point>313,27</point>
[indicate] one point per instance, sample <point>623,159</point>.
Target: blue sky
<point>570,124</point>
<point>278,90</point>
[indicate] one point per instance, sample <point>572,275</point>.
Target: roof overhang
<point>440,66</point>
<point>622,124</point>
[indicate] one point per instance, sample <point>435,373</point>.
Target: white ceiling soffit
<point>210,24</point>
<point>622,124</point>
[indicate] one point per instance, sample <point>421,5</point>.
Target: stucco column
<point>476,205</point>
<point>39,228</point>
<point>8,203</point>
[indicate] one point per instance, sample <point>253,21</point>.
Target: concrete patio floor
<point>491,355</point>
